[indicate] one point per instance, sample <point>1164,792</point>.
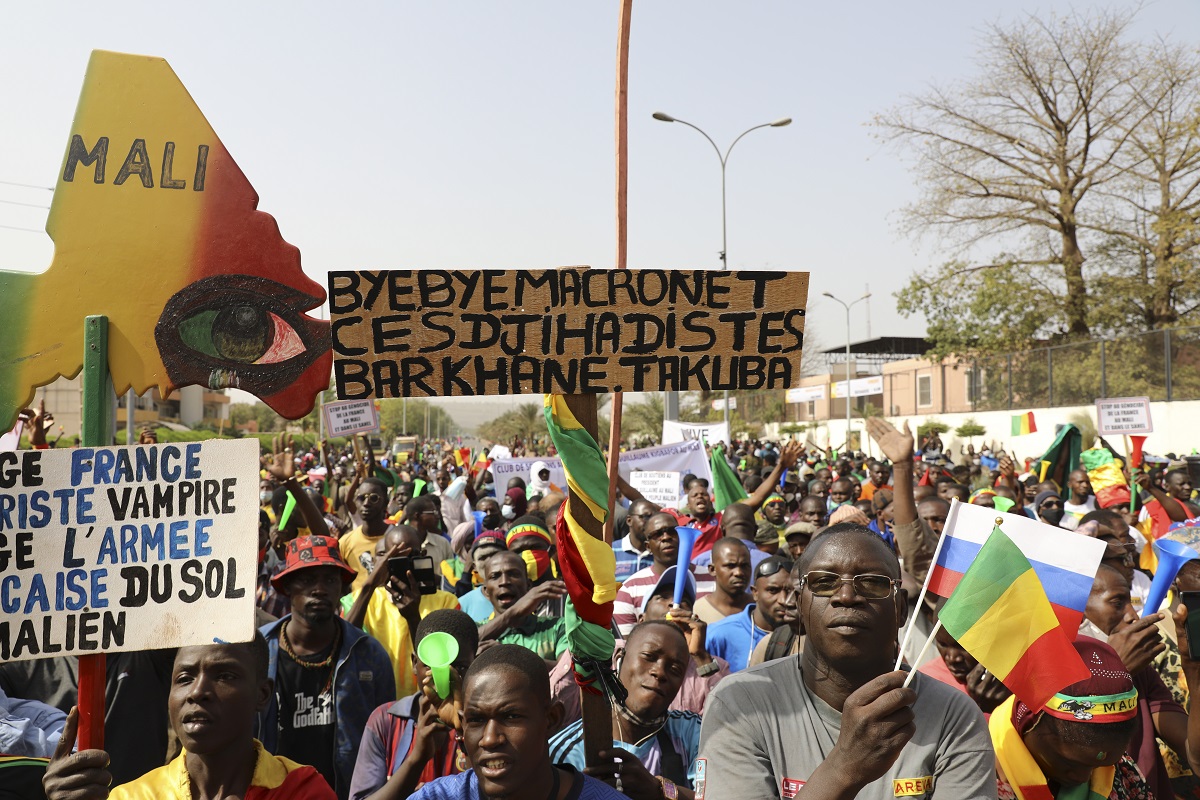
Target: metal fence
<point>1162,365</point>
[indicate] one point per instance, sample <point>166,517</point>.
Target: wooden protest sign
<point>349,417</point>
<point>409,333</point>
<point>127,548</point>
<point>156,227</point>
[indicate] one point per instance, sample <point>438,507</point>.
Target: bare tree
<point>1010,158</point>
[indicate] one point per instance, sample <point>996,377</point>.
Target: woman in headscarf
<point>539,479</point>
<point>1072,748</point>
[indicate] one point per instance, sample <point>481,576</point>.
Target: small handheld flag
<point>1000,614</point>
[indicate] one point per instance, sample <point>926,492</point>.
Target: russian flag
<point>1065,562</point>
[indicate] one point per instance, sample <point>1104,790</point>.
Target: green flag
<point>726,486</point>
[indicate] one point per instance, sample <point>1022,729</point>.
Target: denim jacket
<point>362,681</point>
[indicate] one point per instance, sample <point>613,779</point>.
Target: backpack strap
<point>402,736</point>
<point>779,645</point>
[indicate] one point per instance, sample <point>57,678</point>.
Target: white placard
<point>127,548</point>
<point>719,404</point>
<point>805,394</point>
<point>347,417</point>
<point>1128,416</point>
<point>682,457</point>
<point>699,431</point>
<point>659,487</point>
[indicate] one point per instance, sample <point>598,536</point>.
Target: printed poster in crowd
<point>661,487</point>
<point>127,548</point>
<point>348,417</point>
<point>1128,416</point>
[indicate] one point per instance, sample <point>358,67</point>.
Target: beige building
<point>186,408</point>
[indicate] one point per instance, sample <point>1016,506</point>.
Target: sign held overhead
<point>1129,416</point>
<point>433,333</point>
<point>351,416</point>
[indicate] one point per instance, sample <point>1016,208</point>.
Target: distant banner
<point>350,416</point>
<point>805,394</point>
<point>127,548</point>
<point>683,457</point>
<point>719,404</point>
<point>441,333</point>
<point>859,387</point>
<point>700,431</point>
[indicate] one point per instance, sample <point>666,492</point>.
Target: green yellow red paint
<point>156,227</point>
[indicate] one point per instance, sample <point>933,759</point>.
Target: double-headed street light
<point>724,158</point>
<point>847,307</point>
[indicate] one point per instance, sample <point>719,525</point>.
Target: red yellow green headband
<point>1102,708</point>
<point>527,529</point>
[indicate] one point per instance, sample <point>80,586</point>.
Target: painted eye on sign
<point>156,228</point>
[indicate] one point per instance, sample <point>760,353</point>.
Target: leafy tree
<point>970,429</point>
<point>932,426</point>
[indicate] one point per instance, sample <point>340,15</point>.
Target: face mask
<point>1052,516</point>
<point>489,489</point>
<point>508,512</point>
<point>264,497</point>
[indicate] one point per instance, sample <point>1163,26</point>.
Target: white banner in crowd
<point>700,431</point>
<point>805,394</point>
<point>127,548</point>
<point>682,457</point>
<point>859,387</point>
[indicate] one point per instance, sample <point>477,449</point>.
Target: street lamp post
<point>724,158</point>
<point>847,307</point>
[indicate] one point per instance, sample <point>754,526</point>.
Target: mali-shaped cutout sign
<point>155,226</point>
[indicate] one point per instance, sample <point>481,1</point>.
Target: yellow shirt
<point>353,545</point>
<point>274,776</point>
<point>383,621</point>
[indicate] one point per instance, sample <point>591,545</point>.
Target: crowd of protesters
<point>772,677</point>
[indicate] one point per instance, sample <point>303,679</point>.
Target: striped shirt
<point>682,727</point>
<point>626,607</point>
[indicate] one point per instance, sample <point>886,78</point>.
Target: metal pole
<point>1050,377</point>
<point>1103,371</point>
<point>130,397</point>
<point>847,377</point>
<point>404,409</point>
<point>1167,360</point>
<point>725,265</point>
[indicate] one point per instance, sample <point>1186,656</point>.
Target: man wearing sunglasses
<point>774,603</point>
<point>835,720</point>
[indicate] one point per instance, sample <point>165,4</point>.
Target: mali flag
<point>1023,424</point>
<point>1000,614</point>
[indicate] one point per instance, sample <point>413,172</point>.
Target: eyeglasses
<point>666,533</point>
<point>771,566</point>
<point>868,587</point>
<point>369,497</point>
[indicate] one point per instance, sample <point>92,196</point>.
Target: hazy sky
<point>480,134</point>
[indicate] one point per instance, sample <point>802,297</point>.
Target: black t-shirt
<point>305,698</point>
